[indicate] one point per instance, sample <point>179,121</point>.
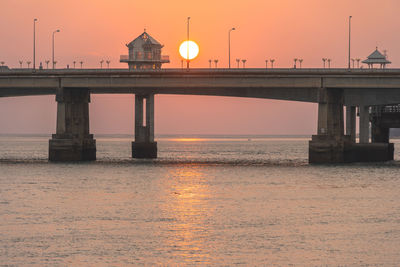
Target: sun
<point>190,53</point>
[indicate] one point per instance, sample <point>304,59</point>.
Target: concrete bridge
<point>332,89</point>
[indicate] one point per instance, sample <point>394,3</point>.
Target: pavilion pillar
<point>144,145</point>
<point>72,141</point>
<point>351,122</point>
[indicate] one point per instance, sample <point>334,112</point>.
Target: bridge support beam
<point>351,122</point>
<point>144,145</point>
<point>72,141</point>
<point>330,144</point>
<point>379,134</point>
<point>364,124</point>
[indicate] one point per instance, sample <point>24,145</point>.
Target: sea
<point>205,201</point>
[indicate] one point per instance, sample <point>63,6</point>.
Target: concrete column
<point>329,145</point>
<point>351,122</point>
<point>330,113</point>
<point>72,141</point>
<point>364,124</point>
<point>144,145</point>
<point>379,134</point>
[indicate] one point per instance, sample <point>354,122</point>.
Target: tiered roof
<point>146,38</point>
<point>376,58</point>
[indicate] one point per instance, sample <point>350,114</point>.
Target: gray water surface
<point>216,201</point>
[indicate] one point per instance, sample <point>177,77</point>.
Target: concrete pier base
<point>323,149</point>
<point>144,150</point>
<point>371,152</point>
<point>68,149</point>
<point>326,149</point>
<point>144,146</point>
<point>72,141</point>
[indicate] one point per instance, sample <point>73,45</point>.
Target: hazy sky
<point>92,30</point>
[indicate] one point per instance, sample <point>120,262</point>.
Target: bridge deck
<point>366,86</point>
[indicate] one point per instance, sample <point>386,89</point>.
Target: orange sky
<point>92,30</point>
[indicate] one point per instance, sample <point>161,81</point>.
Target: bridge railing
<point>377,110</point>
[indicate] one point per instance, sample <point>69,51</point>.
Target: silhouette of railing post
<point>144,145</point>
<point>72,141</point>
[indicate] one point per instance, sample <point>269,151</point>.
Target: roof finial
<point>145,29</point>
<point>376,48</point>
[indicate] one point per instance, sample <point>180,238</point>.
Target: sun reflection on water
<point>187,139</point>
<point>187,202</point>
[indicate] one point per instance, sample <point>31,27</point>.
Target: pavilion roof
<point>145,37</point>
<point>376,57</point>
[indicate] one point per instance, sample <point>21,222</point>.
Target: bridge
<point>332,89</point>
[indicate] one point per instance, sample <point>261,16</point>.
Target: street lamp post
<point>229,45</point>
<point>101,63</point>
<point>216,63</point>
<point>187,59</point>
<point>108,63</point>
<point>266,63</point>
<point>209,63</point>
<point>20,63</point>
<point>47,63</point>
<point>237,61</point>
<point>349,37</point>
<point>53,48</point>
<point>244,63</point>
<point>34,43</point>
<point>324,60</point>
<point>272,63</point>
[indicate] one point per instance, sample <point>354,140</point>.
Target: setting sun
<point>189,52</point>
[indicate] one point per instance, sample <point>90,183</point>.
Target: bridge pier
<point>351,122</point>
<point>379,134</point>
<point>144,145</point>
<point>364,124</point>
<point>330,145</point>
<point>72,141</point>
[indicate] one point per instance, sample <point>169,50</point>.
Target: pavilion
<point>144,53</point>
<point>376,58</point>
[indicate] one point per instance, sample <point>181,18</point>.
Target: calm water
<point>219,202</point>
